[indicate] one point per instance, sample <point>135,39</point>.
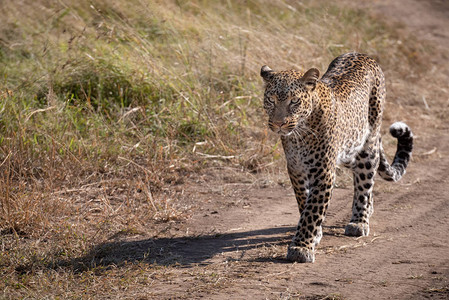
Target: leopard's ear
<point>266,73</point>
<point>310,78</point>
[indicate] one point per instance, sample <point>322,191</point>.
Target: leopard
<point>327,122</point>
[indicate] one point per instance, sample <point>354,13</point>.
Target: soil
<point>234,244</point>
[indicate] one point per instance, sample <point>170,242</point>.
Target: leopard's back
<point>357,84</point>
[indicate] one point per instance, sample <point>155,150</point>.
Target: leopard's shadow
<point>181,251</point>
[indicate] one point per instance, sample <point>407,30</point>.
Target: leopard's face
<point>288,98</point>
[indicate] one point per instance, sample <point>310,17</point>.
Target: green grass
<point>105,107</point>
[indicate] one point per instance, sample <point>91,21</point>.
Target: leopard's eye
<point>294,100</point>
<point>269,100</point>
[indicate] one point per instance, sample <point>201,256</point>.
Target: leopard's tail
<point>396,170</point>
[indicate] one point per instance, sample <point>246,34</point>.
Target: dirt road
<point>234,246</point>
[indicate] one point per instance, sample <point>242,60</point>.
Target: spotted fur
<point>327,121</point>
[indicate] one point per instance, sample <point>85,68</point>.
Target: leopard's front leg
<point>309,230</point>
<point>300,184</point>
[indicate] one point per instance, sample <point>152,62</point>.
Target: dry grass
<point>106,108</point>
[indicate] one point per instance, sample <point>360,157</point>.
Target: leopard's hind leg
<point>367,161</point>
<point>364,170</point>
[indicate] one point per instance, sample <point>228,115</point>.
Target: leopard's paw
<point>300,254</point>
<point>357,229</point>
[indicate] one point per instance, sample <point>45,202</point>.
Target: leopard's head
<point>288,97</point>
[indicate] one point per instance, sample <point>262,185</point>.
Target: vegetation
<point>105,105</point>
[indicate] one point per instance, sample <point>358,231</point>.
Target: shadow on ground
<point>182,251</point>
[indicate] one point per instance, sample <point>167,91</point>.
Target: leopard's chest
<point>305,152</point>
